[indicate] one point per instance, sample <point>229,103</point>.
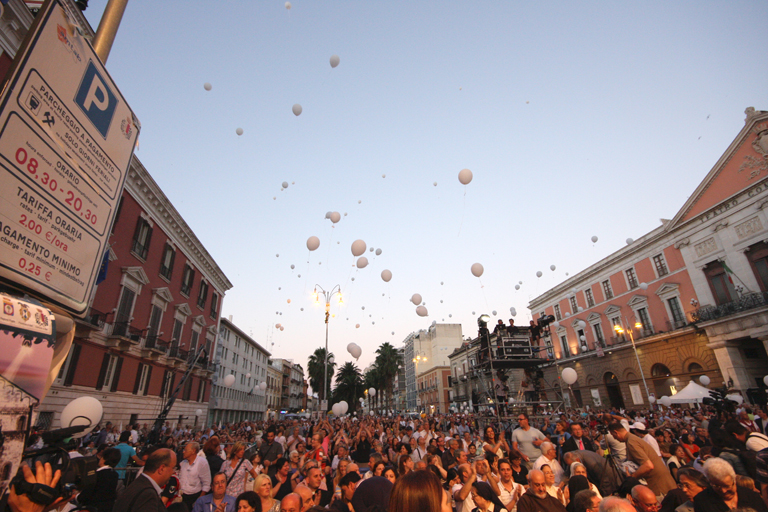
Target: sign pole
<point>110,22</point>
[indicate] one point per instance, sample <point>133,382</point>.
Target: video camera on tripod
<point>719,399</point>
<point>77,473</point>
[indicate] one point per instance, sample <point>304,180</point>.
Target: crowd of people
<point>675,460</point>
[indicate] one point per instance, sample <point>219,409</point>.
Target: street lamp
<point>620,330</point>
<point>336,290</point>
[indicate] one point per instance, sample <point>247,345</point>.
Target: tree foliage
<point>316,370</point>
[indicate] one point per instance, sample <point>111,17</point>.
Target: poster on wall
<point>637,395</point>
<point>596,398</point>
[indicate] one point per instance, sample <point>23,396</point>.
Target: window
<point>719,282</point>
<point>574,305</point>
<point>154,326</point>
<point>631,278</point>
<point>661,265</point>
<point>187,388</point>
<point>193,343</point>
<point>124,311</point>
<point>201,392</point>
<point>758,260</point>
<point>564,343</point>
<point>214,305</point>
<point>616,321</point>
<point>166,265</point>
<point>203,295</point>
<point>590,298</point>
<point>678,317</point>
<point>110,373</point>
<point>187,280</point>
<point>167,383</point>
<point>642,315</point>
<point>599,334</point>
<point>177,328</point>
<point>607,290</point>
<point>141,238</point>
<point>67,371</point>
<point>143,375</point>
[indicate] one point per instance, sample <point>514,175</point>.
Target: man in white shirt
<point>462,492</point>
<point>194,475</point>
<point>549,457</point>
<point>342,453</point>
<point>420,451</point>
<point>134,435</point>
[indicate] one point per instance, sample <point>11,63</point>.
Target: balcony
<point>93,321</point>
<point>124,336</point>
<point>744,303</point>
<point>673,325</point>
<point>154,347</point>
<point>177,355</point>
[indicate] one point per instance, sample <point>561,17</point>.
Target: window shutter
<point>149,380</point>
<point>137,232</point>
<point>103,371</point>
<point>116,376</point>
<point>70,376</point>
<point>146,244</point>
<point>138,379</point>
<point>173,258</point>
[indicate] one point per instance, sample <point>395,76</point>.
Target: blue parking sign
<point>96,100</point>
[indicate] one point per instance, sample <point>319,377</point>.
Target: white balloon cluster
<point>354,350</point>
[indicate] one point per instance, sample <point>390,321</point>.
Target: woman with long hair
<point>378,468</point>
<point>485,499</point>
<point>236,471</point>
<point>263,487</point>
<point>494,444</point>
<point>389,474</point>
<point>575,484</point>
<point>419,491</point>
<point>404,465</point>
<point>341,470</point>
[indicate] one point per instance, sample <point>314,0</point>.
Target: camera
<point>76,473</point>
<point>545,320</point>
<point>719,400</point>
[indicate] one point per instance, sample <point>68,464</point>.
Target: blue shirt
<point>205,503</point>
<point>126,452</point>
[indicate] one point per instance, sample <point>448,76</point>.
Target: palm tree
<point>372,379</point>
<point>388,360</point>
<point>349,385</point>
<point>316,371</point>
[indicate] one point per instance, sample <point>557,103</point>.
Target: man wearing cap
<point>638,429</point>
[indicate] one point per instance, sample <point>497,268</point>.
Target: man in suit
<point>761,421</point>
<point>143,495</point>
<point>577,441</point>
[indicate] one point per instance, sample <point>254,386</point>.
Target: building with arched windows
<point>690,298</point>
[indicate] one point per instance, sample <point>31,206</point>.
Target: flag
<point>728,272</point>
<point>104,266</point>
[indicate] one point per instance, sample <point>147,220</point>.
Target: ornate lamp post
<point>336,290</point>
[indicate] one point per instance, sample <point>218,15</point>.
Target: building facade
<point>156,309</point>
<point>237,354</point>
<point>433,390</point>
<point>274,387</point>
<point>685,300</point>
<point>424,350</point>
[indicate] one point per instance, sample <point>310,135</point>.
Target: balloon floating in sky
<point>328,214</point>
<point>493,312</point>
<point>359,201</point>
<point>538,273</point>
<point>629,241</point>
<point>334,60</point>
<point>370,249</point>
<point>239,131</point>
<point>594,239</point>
<point>277,255</point>
<point>386,275</point>
<point>285,184</point>
<point>421,311</point>
<point>357,326</point>
<point>207,86</point>
<point>570,376</point>
<point>465,176</point>
<point>358,248</point>
<point>416,299</point>
<point>434,184</point>
<point>293,267</point>
<point>643,286</point>
<point>378,252</point>
<point>313,243</point>
<point>512,311</point>
<point>288,5</point>
<point>296,109</point>
<point>477,269</point>
<point>552,268</point>
<point>289,301</point>
<point>229,380</point>
<point>354,349</point>
<point>383,175</point>
<point>517,287</point>
<point>362,262</point>
<point>335,217</point>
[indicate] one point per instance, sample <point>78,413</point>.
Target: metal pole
<point>325,374</point>
<point>642,374</point>
<point>110,22</point>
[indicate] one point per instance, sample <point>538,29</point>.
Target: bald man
<point>536,498</point>
<point>292,503</point>
<point>616,504</point>
<point>644,499</point>
<point>305,493</point>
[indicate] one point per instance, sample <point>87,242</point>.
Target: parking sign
<point>67,137</point>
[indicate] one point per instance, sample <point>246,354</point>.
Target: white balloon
<point>582,324</point>
<point>594,239</point>
<point>450,316</point>
<point>580,309</point>
<point>765,380</point>
<point>207,86</point>
<point>354,350</point>
<point>416,299</point>
<point>263,386</point>
<point>493,312</point>
<point>552,268</point>
<point>239,131</point>
<point>293,267</point>
<point>277,255</point>
<point>371,413</point>
<point>556,325</point>
<point>199,412</point>
<point>313,243</point>
<point>421,311</point>
<point>465,176</point>
<point>629,241</point>
<point>370,249</point>
<point>296,109</point>
<point>517,287</point>
<point>567,314</point>
<point>477,269</point>
<point>434,184</point>
<point>344,406</point>
<point>335,60</point>
<point>643,286</point>
<point>512,311</point>
<point>247,375</point>
<point>538,273</point>
<point>704,380</point>
<point>229,380</point>
<point>652,398</point>
<point>288,5</point>
<point>378,252</point>
<point>285,184</point>
<point>386,275</point>
<point>85,410</point>
<point>357,326</point>
<point>362,262</point>
<point>583,338</point>
<point>383,175</point>
<point>665,401</point>
<point>328,214</point>
<point>358,248</point>
<point>570,376</point>
<point>372,392</point>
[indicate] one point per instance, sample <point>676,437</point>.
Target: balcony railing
<point>744,303</point>
<point>126,330</point>
<point>154,342</point>
<point>676,324</point>
<point>95,318</point>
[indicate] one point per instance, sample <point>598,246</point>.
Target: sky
<point>577,119</point>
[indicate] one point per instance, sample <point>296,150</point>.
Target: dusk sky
<point>576,119</point>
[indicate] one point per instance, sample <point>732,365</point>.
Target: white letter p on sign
<point>97,95</point>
